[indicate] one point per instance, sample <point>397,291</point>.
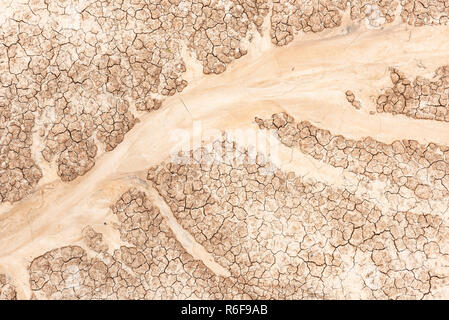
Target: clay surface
<point>224,149</point>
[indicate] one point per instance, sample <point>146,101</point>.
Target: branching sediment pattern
<point>78,68</point>
<point>153,266</point>
<point>80,78</point>
<point>411,170</point>
<point>287,238</point>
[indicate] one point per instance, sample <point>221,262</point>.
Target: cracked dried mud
<point>231,149</point>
